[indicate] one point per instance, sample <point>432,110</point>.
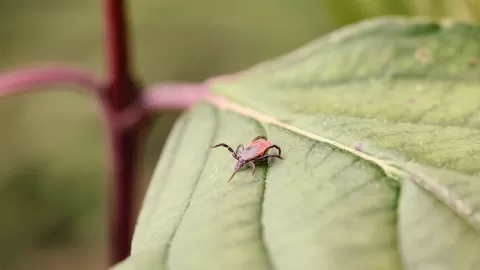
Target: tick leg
<point>259,137</point>
<point>238,149</point>
<point>268,156</point>
<point>251,164</point>
<point>276,147</point>
<point>228,148</point>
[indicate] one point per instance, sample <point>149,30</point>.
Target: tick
<point>257,150</point>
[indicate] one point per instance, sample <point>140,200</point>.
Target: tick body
<point>257,150</point>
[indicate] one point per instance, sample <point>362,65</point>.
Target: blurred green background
<point>53,159</point>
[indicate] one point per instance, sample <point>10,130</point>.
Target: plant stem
<point>173,96</point>
<point>119,76</point>
<point>124,146</point>
<point>125,121</point>
<point>126,110</point>
<point>20,81</point>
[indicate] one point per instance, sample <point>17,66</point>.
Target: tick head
<point>237,167</point>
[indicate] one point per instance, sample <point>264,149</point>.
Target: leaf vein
<point>207,154</point>
<point>262,209</point>
<point>158,192</point>
<point>425,113</point>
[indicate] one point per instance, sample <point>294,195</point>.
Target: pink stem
<point>20,81</point>
<point>173,96</point>
<point>179,95</point>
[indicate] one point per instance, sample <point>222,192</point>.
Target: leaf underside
<point>380,132</point>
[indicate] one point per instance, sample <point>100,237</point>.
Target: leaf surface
<point>380,132</point>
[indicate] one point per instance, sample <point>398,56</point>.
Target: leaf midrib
<point>396,172</point>
<point>395,121</point>
<point>384,75</point>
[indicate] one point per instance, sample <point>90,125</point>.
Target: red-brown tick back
<point>257,150</point>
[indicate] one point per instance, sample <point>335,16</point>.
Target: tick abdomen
<point>255,149</point>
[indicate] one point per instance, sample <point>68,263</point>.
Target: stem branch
<point>20,81</point>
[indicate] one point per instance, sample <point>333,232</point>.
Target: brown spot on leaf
<point>423,55</point>
<point>472,62</point>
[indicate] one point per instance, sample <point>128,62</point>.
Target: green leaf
<point>380,132</point>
